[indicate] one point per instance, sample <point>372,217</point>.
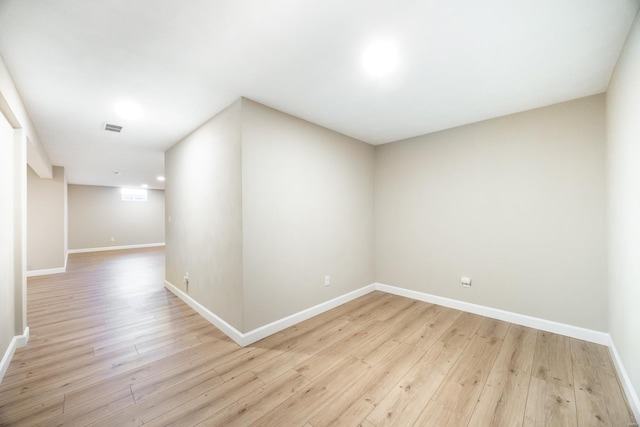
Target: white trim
<point>508,316</point>
<point>590,335</point>
<point>257,334</point>
<point>115,248</point>
<point>16,342</point>
<point>47,271</point>
<point>58,270</point>
<point>277,326</point>
<point>270,328</point>
<point>218,322</point>
<point>627,386</point>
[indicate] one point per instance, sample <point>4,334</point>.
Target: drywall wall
<point>46,220</point>
<point>20,158</point>
<point>16,130</point>
<point>517,203</point>
<point>7,253</point>
<point>307,198</point>
<point>204,215</point>
<point>623,156</point>
<point>98,214</point>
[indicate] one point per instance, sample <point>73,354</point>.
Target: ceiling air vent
<point>112,128</point>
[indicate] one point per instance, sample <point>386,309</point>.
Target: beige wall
<point>97,214</point>
<point>20,158</point>
<point>46,220</point>
<point>15,131</point>
<point>7,288</point>
<point>263,206</point>
<point>307,197</point>
<point>623,155</point>
<point>204,201</point>
<point>517,203</point>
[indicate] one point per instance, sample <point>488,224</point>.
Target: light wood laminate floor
<point>111,347</point>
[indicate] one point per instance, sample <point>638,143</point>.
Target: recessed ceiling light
<point>380,58</point>
<point>128,110</point>
<point>144,186</point>
<point>161,178</point>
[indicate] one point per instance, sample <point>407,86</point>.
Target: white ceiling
<point>461,61</point>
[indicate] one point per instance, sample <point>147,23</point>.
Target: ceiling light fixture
<point>144,186</point>
<point>161,178</point>
<point>128,110</point>
<point>380,58</point>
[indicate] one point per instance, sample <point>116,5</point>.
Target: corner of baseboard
<point>597,337</point>
<point>245,339</point>
<point>627,386</point>
<point>23,340</point>
<point>217,321</point>
<point>15,343</point>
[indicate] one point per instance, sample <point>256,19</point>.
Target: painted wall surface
<point>623,155</point>
<point>517,203</point>
<point>46,228</point>
<point>16,131</point>
<point>307,197</point>
<point>204,215</point>
<point>20,158</point>
<point>7,255</point>
<point>97,214</point>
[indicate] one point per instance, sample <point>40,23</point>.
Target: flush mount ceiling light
<point>128,110</point>
<point>380,58</point>
<point>144,186</point>
<point>161,178</point>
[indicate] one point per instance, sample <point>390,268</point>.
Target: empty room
<point>287,213</point>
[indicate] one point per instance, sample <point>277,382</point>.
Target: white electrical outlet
<point>327,280</point>
<point>466,282</point>
<point>113,239</point>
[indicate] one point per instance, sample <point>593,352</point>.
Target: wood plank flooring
<point>111,347</point>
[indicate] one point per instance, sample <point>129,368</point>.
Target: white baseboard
<point>508,316</point>
<point>115,248</point>
<point>245,339</point>
<point>632,396</point>
<point>257,334</point>
<point>32,273</point>
<point>58,270</point>
<point>277,326</point>
<point>16,342</point>
<point>218,322</point>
